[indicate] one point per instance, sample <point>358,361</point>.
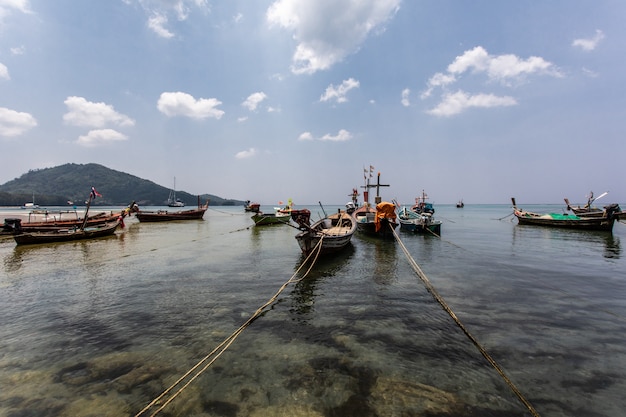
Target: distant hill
<point>72,182</point>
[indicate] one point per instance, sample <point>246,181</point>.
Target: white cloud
<point>4,72</point>
<point>405,97</point>
<point>14,123</point>
<point>253,100</point>
<point>305,136</point>
<point>157,23</point>
<point>86,113</point>
<point>249,153</point>
<point>327,31</point>
<point>438,80</point>
<point>341,136</point>
<point>500,67</point>
<point>506,69</point>
<point>159,11</point>
<point>7,6</point>
<point>100,137</point>
<point>18,50</point>
<point>183,104</point>
<point>458,102</point>
<point>339,93</point>
<point>591,43</point>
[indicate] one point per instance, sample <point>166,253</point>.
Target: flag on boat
<point>94,193</point>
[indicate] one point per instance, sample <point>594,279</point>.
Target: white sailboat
<point>172,201</point>
<point>31,204</point>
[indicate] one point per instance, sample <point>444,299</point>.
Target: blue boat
<point>420,217</point>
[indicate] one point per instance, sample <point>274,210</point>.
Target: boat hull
<point>423,223</point>
<point>168,216</point>
<point>65,235</point>
<point>261,219</point>
<point>568,221</point>
<point>92,221</point>
<point>335,233</point>
<point>366,216</point>
<point>420,227</point>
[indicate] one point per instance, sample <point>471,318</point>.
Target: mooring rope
<point>508,215</point>
<point>227,212</point>
<point>445,306</point>
<point>229,340</point>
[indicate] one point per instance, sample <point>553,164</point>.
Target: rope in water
<point>445,306</point>
<point>221,348</point>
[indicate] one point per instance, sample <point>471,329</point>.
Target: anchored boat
<point>333,232</point>
<point>377,221</point>
<point>166,215</point>
<point>571,221</point>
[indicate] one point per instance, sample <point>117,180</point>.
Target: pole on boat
<point>82,226</point>
<point>323,211</point>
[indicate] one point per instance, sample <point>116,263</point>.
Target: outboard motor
<point>302,218</point>
<point>12,225</point>
<point>611,210</point>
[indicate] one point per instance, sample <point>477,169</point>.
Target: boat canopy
<point>384,210</point>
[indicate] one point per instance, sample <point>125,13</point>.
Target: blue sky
<point>270,100</point>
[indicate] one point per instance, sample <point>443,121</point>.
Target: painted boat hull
<point>167,216</point>
<point>92,221</point>
<point>65,235</point>
<point>568,222</point>
<point>411,221</point>
<point>261,219</point>
<point>420,227</point>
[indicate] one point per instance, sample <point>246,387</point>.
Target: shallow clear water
<point>103,327</point>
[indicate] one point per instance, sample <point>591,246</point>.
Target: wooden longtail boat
<point>334,231</point>
<point>166,215</point>
<point>418,222</point>
<point>66,235</point>
<point>95,220</point>
<point>570,221</point>
<point>379,221</point>
<point>251,207</point>
<point>420,218</point>
<point>587,209</point>
<point>264,219</point>
<point>79,232</point>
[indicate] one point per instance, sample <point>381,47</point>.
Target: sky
<point>308,99</point>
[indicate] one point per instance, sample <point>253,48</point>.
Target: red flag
<point>94,193</point>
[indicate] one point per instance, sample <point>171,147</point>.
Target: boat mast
<point>82,226</point>
<point>378,185</point>
<point>367,186</point>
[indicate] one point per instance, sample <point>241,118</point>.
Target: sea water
<point>102,327</point>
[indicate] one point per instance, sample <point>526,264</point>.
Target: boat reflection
<point>305,290</point>
<point>586,239</point>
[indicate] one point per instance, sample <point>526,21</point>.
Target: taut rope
<point>445,306</point>
<point>221,348</point>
